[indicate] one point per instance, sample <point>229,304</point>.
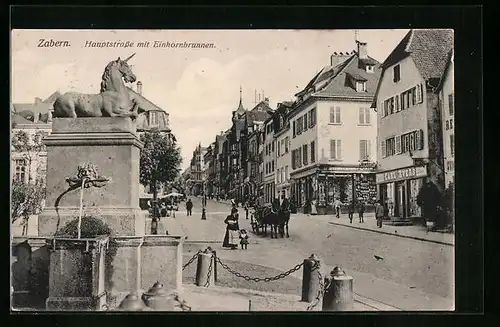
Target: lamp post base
<point>203,214</point>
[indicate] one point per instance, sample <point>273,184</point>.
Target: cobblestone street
<point>413,274</point>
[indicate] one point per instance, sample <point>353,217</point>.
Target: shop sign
<point>401,174</point>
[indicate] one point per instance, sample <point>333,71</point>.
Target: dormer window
<point>397,73</point>
<point>369,68</point>
<point>360,86</point>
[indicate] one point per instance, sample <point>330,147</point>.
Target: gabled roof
<point>258,113</point>
<point>429,49</point>
<point>446,68</point>
<point>144,103</point>
<point>17,119</point>
<point>339,86</point>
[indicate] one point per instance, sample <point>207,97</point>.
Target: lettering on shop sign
<point>405,173</point>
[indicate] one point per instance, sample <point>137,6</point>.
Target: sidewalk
<point>414,232</point>
<point>216,298</point>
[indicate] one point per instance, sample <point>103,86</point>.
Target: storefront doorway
<point>401,200</point>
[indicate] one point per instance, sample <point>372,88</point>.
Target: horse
<point>114,99</point>
<point>283,218</point>
<point>266,216</point>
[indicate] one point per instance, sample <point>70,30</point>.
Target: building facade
<point>408,113</point>
<point>447,101</point>
<point>269,160</point>
<point>333,130</point>
<point>283,154</point>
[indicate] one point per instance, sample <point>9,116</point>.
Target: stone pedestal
<point>113,146</point>
<point>77,274</point>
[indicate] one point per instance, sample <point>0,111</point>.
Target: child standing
<point>243,239</point>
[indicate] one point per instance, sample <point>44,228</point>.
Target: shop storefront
<point>327,184</point>
<point>283,190</point>
<point>399,188</point>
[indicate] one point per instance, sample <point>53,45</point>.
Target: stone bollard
<point>311,278</point>
<point>205,268</point>
<point>132,302</point>
<point>338,293</point>
<point>157,298</point>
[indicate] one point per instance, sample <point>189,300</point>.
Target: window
<point>312,117</point>
<point>369,68</point>
<point>385,110</point>
<point>397,73</point>
<point>313,152</point>
<point>364,116</point>
<point>305,122</point>
<point>360,86</point>
<point>383,149</point>
<point>397,141</point>
<point>294,162</point>
<point>451,123</point>
<point>419,139</point>
<point>294,132</point>
<point>419,94</point>
<point>272,146</point>
<point>335,115</point>
<point>278,148</point>
<point>413,92</point>
<point>397,103</point>
<point>299,157</point>
<point>364,149</point>
<point>286,172</point>
<point>452,144</point>
<point>412,141</point>
<point>451,104</point>
<point>335,149</point>
<point>272,166</point>
<point>305,155</point>
<point>299,125</point>
<point>287,141</point>
<point>153,118</point>
<point>390,146</point>
<point>20,169</point>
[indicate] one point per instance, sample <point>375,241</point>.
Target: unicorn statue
<point>114,99</point>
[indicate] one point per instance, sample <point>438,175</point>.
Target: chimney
<point>337,58</point>
<point>139,87</point>
<point>362,50</point>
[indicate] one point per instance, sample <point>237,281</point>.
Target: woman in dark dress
<point>231,238</point>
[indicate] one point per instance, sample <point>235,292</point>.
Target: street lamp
<point>203,203</point>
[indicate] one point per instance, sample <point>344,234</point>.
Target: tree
<point>28,196</point>
<point>160,160</point>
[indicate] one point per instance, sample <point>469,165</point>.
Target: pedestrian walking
<point>314,210</point>
<point>232,230</point>
<point>350,211</point>
<point>361,211</point>
<point>163,210</point>
<point>336,206</point>
<point>379,213</point>
<point>189,207</point>
<point>246,210</point>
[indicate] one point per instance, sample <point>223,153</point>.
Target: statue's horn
<point>129,57</point>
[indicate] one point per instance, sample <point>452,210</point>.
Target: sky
<point>198,87</point>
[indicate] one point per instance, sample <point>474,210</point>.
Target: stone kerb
<point>76,280</point>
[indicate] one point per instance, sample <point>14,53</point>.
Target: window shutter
<point>420,133</point>
<point>412,142</point>
<point>337,115</point>
<point>332,149</point>
<point>421,93</point>
<point>361,149</point>
<point>398,144</point>
<point>367,115</point>
<point>332,114</point>
<point>294,132</point>
<point>383,149</point>
<point>314,117</point>
<point>305,122</point>
<point>339,149</point>
<point>361,116</point>
<point>398,108</point>
<point>368,149</point>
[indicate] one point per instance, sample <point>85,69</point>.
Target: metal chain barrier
<point>212,259</point>
<point>191,260</point>
<point>182,303</point>
<point>258,279</point>
<point>319,296</point>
